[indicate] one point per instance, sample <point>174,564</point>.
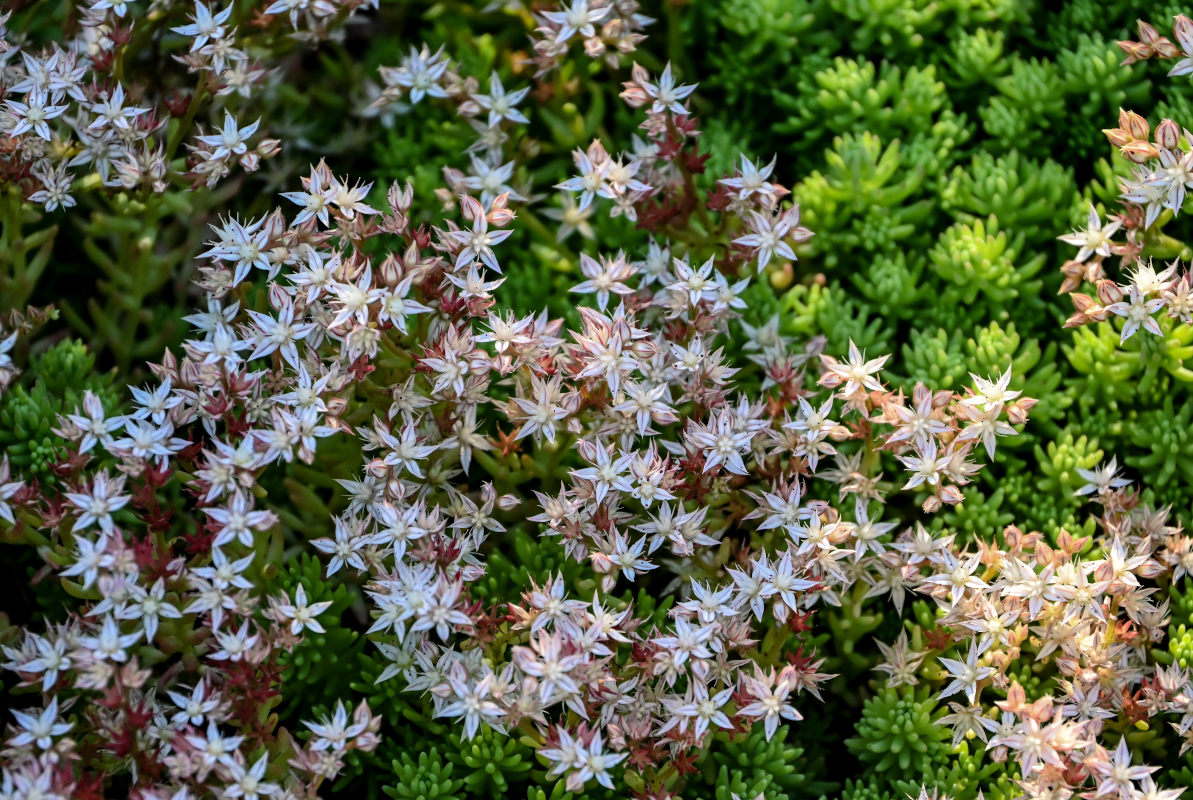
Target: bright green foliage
<point>1164,438</point>
<point>861,199</point>
<point>982,515</point>
<point>557,792</point>
<point>489,762</point>
<point>979,259</point>
<point>935,358</point>
<point>855,93</point>
<point>1028,102</point>
<point>898,734</point>
<point>1021,193</point>
<point>429,778</point>
<point>728,784</point>
<point>54,384</point>
<point>1180,644</point>
<point>892,283</point>
<point>1060,460</point>
<point>976,57</point>
<point>1181,602</point>
<point>856,789</point>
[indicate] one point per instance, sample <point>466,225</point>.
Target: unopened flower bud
<point>1017,412</point>
<point>1133,123</point>
<point>400,198</point>
<point>390,271</point>
<point>500,217</point>
<point>1109,292</point>
<point>1117,136</point>
<point>1043,553</point>
<point>1147,33</point>
<point>1136,51</point>
<point>1168,134</point>
<point>1163,48</point>
<point>1140,151</point>
<point>952,495</point>
<point>278,297</point>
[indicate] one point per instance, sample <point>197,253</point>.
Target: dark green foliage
<point>322,664</point>
<point>490,762</point>
<point>430,777</point>
<point>775,768</point>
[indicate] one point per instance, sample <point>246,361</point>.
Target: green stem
<point>187,121</point>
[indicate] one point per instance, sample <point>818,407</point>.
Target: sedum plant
<point>599,453</point>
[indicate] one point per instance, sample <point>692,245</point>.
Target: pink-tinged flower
<point>149,606</point>
<point>34,114</point>
<point>605,277</point>
<point>546,660</point>
<point>700,709</point>
<point>593,166</point>
<point>608,474</point>
<point>501,104</point>
<point>237,520</point>
<point>232,138</point>
<point>249,784</point>
<point>1116,776</point>
<point>667,96</point>
<point>345,548</point>
<point>109,644</point>
<point>214,747</point>
<point>99,503</point>
<point>770,235</point>
<point>314,198</point>
<point>478,242</point>
<point>752,180</point>
<point>857,373</point>
<point>204,25</point>
<point>421,73</point>
<point>769,704</point>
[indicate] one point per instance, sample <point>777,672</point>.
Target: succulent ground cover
<point>728,400</point>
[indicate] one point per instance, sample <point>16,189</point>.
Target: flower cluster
<point>67,111</point>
